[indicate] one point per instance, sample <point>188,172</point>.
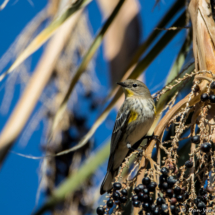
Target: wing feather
<point>118,131</point>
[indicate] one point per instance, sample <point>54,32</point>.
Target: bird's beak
<point>122,84</point>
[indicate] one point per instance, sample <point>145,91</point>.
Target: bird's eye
<point>134,85</point>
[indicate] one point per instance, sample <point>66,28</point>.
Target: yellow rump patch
<point>133,116</point>
<point>155,109</point>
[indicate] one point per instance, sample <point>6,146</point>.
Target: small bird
<point>133,121</point>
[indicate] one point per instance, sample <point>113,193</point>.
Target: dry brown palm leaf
<point>35,87</point>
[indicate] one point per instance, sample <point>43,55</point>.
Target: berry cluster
<point>205,97</point>
<point>205,147</point>
<point>144,194</point>
<point>118,197</point>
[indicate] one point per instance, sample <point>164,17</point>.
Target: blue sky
<point>19,176</point>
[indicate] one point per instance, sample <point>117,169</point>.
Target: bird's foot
<point>151,137</point>
<point>132,149</point>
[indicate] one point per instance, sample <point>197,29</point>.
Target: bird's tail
<point>107,182</point>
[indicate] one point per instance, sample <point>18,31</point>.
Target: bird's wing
<point>118,131</point>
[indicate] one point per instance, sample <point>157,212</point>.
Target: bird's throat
<point>128,93</point>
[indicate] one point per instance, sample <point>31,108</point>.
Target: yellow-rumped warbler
<point>133,121</point>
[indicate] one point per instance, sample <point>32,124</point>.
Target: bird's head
<point>133,87</point>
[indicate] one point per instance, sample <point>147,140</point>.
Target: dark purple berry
<point>153,206</point>
<point>202,191</point>
<point>124,192</point>
<point>186,195</point>
<point>141,186</point>
<point>196,201</point>
<point>152,186</point>
<point>173,201</point>
<point>151,200</point>
<point>160,201</point>
<point>140,197</point>
<point>177,190</point>
<point>148,213</point>
<point>204,97</point>
<point>123,199</point>
<point>163,178</point>
<point>146,198</point>
<point>195,139</point>
<point>117,186</point>
<point>165,185</point>
<point>205,147</point>
<point>164,208</point>
<point>212,85</point>
<point>146,206</point>
<point>116,196</point>
<point>100,210</point>
<point>136,204</point>
<point>201,206</point>
<point>146,190</point>
<point>156,211</point>
<point>172,208</point>
<point>188,164</point>
<point>137,190</point>
<point>109,203</point>
<point>164,171</point>
<point>146,180</point>
<point>212,98</point>
<point>169,193</point>
<point>171,181</point>
<point>179,198</point>
<point>135,198</point>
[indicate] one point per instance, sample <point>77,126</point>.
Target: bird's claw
<point>130,148</point>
